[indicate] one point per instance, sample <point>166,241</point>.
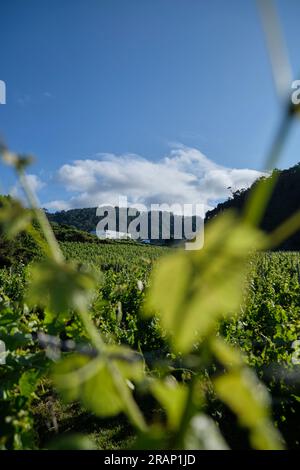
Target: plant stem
<point>42,219</point>
<point>133,411</point>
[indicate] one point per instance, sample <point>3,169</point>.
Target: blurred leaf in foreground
<point>60,287</point>
<point>172,396</point>
<point>246,396</point>
<point>13,217</point>
<point>192,291</point>
<point>204,434</point>
<point>91,380</point>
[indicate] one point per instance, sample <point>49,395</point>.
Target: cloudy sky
<point>98,90</point>
<point>185,175</point>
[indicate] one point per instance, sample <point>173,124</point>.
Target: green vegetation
<point>15,245</point>
<point>265,331</point>
<point>130,345</point>
<point>87,220</point>
<point>83,219</point>
<point>284,202</point>
<point>268,329</point>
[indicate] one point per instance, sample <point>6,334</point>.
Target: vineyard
<point>35,366</point>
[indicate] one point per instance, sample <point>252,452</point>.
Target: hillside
<point>284,202</point>
<point>23,248</point>
<point>87,220</point>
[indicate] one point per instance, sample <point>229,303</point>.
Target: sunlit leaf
<point>245,395</point>
<point>169,286</point>
<point>249,400</point>
<point>28,382</point>
<point>172,396</point>
<point>192,291</point>
<point>226,354</point>
<point>59,286</point>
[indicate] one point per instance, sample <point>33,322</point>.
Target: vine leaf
<point>172,396</point>
<point>59,287</point>
<point>28,382</point>
<point>90,380</point>
<point>192,291</point>
<point>246,396</point>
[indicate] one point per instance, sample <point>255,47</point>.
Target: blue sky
<point>111,84</point>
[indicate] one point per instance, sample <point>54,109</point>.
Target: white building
<point>112,235</point>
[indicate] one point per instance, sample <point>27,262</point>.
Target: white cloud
<point>35,183</point>
<point>184,176</point>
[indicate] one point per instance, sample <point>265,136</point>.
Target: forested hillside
<point>87,219</point>
<point>284,202</point>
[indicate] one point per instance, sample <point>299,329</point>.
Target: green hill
<point>284,202</point>
<point>86,219</point>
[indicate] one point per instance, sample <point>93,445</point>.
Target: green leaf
<point>226,354</point>
<point>192,291</point>
<point>169,285</point>
<point>172,396</point>
<point>244,394</point>
<point>28,382</point>
<point>249,400</point>
<point>60,287</point>
<point>91,381</point>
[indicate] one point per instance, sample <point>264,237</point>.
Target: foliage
<point>283,203</point>
<point>21,367</point>
<point>86,219</point>
<point>188,308</point>
<point>267,330</point>
<point>15,245</point>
